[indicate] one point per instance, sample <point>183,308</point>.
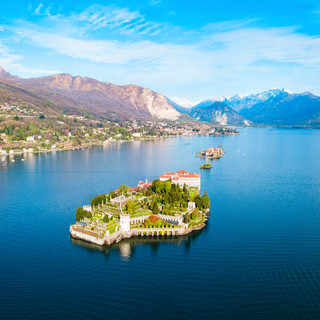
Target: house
<point>3,137</point>
<point>212,152</point>
<point>30,139</point>
<point>182,177</point>
<point>136,134</point>
<point>144,185</point>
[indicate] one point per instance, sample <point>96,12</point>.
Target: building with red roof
<point>182,177</point>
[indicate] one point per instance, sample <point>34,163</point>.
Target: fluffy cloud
<point>221,54</point>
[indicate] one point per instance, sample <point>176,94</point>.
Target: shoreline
<point>147,232</point>
<point>97,144</point>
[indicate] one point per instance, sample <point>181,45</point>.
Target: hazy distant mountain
<point>124,102</point>
<point>218,113</point>
<point>274,107</point>
<point>206,103</point>
<point>178,107</point>
<point>286,109</point>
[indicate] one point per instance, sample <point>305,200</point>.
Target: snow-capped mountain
<point>247,101</point>
<point>286,109</point>
<point>272,107</point>
<point>239,102</point>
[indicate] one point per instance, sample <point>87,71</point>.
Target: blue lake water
<point>258,257</point>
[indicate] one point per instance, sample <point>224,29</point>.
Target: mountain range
<point>82,94</point>
<point>272,107</point>
<point>218,113</point>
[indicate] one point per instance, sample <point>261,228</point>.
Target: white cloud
<point>10,61</point>
<point>7,57</point>
<point>232,54</point>
<point>37,10</point>
<point>117,20</point>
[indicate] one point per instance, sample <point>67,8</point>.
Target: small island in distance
<point>169,206</point>
<point>209,154</point>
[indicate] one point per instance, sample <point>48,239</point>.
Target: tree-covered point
<point>202,202</point>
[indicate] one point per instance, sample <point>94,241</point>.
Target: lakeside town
<point>26,130</point>
<point>169,206</point>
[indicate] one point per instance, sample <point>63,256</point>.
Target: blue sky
<point>184,49</point>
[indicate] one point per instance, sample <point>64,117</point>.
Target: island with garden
<point>169,206</point>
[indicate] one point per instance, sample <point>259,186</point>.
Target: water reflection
<point>126,248</point>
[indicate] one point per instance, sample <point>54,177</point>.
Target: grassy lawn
<point>197,222</point>
<point>193,192</point>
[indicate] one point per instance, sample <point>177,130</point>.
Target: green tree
<point>185,188</point>
<point>186,218</point>
<point>205,200</point>
<point>155,208</point>
<point>130,207</point>
<point>194,215</point>
<point>156,186</point>
<point>106,218</point>
<point>112,194</point>
<point>98,200</point>
<point>167,186</point>
<point>79,214</point>
<point>198,202</point>
<point>87,214</point>
<point>123,188</point>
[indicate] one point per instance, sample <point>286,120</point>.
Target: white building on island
<point>182,177</point>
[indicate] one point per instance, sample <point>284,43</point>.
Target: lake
<point>258,257</point>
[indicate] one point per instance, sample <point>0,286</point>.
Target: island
<point>212,153</point>
<point>205,166</point>
<point>169,206</point>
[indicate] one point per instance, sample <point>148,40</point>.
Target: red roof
<point>182,172</point>
<point>168,174</point>
<point>179,174</point>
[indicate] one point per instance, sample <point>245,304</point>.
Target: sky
<point>188,50</point>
